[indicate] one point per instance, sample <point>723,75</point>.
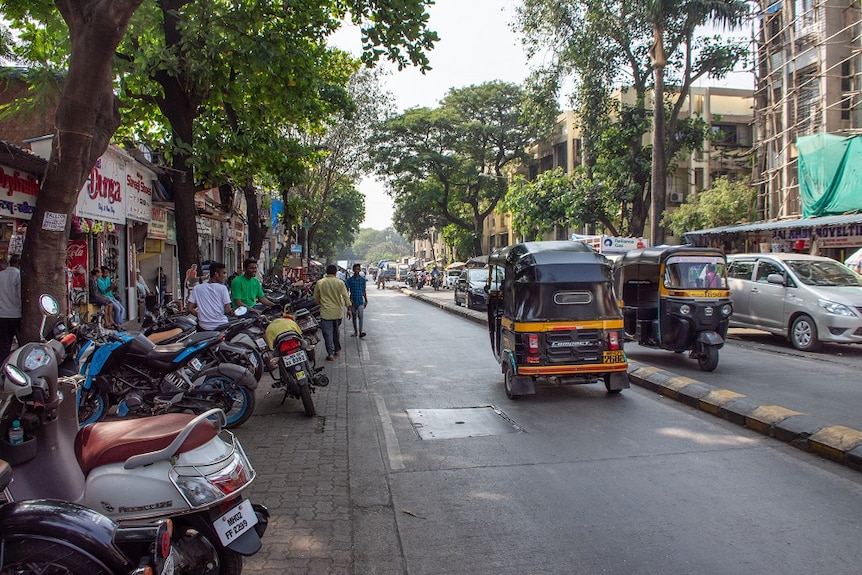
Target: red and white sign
<point>76,260</point>
<point>102,196</point>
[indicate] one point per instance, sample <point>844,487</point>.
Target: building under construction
<point>808,82</point>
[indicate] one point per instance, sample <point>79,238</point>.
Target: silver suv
<point>808,299</point>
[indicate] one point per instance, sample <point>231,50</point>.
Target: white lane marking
<point>396,461</point>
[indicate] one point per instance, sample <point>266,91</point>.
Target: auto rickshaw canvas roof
<point>657,254</point>
<point>554,261</point>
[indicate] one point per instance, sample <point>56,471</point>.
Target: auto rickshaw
<point>676,298</point>
<point>553,315</point>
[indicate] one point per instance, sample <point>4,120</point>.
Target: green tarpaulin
<point>830,174</point>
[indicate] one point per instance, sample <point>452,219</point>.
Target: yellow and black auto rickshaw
<point>676,298</point>
<point>553,315</point>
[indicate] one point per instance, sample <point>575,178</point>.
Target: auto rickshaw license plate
<point>618,356</point>
<point>294,358</point>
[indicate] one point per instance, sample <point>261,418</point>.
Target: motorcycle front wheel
<point>236,401</point>
<point>93,407</point>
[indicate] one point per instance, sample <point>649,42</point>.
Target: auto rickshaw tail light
<point>533,343</point>
<point>613,340</point>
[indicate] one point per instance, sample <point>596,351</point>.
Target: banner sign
<point>139,193</point>
<point>842,236</point>
<point>17,193</point>
<point>101,198</point>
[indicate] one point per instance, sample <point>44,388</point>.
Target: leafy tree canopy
<point>727,202</point>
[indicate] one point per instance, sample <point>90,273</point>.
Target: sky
<point>476,45</point>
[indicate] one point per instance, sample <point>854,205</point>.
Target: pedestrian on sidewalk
<point>331,295</point>
<point>358,300</point>
<point>10,305</point>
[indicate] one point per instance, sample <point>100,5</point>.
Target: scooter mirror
<point>49,305</point>
<point>240,311</point>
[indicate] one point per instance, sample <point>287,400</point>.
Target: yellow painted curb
<point>715,399</point>
<point>834,441</point>
<point>764,417</point>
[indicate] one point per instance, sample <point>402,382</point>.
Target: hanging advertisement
<point>138,188</point>
<point>17,193</point>
<point>101,198</point>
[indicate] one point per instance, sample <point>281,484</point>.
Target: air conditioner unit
<point>675,198</point>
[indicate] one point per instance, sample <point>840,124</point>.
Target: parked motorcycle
<point>136,472</point>
<point>48,536</point>
<point>292,340</point>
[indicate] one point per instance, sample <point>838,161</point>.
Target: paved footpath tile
<point>303,478</point>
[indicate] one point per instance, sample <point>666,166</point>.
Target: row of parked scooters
<point>158,494</point>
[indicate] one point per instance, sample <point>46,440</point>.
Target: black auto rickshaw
<point>676,298</point>
<point>553,315</point>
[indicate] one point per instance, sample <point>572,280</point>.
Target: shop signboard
<point>139,192</point>
<point>840,236</point>
<point>17,193</point>
<point>101,198</point>
<point>158,228</point>
<point>172,228</point>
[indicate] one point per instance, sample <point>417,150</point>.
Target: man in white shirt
<point>10,304</point>
<point>210,302</point>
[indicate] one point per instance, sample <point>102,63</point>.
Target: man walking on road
<point>358,300</point>
<point>210,302</point>
<point>10,305</point>
<point>331,295</point>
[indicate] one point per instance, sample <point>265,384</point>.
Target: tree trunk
<point>87,117</point>
<point>256,229</point>
<point>659,174</point>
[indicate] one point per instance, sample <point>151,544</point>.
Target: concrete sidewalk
<point>835,442</point>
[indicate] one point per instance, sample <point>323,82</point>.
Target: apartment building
<point>808,82</point>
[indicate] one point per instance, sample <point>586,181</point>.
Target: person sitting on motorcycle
<point>210,302</point>
<point>435,276</point>
<point>246,289</point>
<point>278,326</point>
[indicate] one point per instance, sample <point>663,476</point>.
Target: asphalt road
<point>417,463</point>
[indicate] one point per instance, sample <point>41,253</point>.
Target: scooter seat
<point>107,442</point>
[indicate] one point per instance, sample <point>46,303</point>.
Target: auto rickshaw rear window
<point>572,297</point>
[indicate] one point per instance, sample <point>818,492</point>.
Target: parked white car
<point>808,299</point>
<point>451,277</point>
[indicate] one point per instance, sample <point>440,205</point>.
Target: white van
<point>808,299</point>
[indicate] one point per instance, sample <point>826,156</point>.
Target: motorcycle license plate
<point>260,343</point>
<point>196,364</point>
<point>235,522</point>
<point>294,358</point>
<point>252,360</point>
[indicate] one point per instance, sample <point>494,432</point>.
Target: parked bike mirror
<point>48,304</point>
<point>240,311</point>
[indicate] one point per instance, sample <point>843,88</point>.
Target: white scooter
<point>135,471</point>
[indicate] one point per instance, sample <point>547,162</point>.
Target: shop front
<point>836,237</point>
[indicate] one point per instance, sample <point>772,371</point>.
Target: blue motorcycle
<point>139,377</point>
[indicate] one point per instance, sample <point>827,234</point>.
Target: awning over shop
<point>848,226</point>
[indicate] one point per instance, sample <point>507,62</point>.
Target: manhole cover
<point>461,422</point>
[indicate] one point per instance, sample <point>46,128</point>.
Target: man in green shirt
<point>245,290</point>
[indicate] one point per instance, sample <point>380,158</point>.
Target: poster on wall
<point>101,198</point>
<point>76,261</point>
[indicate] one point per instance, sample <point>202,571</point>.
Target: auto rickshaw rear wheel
<point>507,382</point>
<point>707,359</point>
<point>607,379</point>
